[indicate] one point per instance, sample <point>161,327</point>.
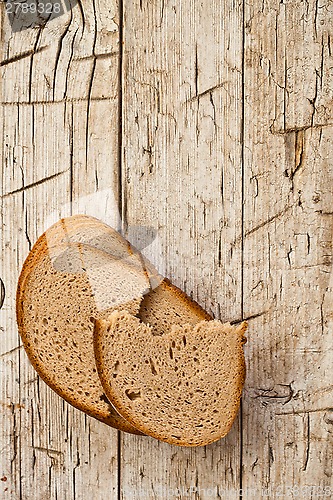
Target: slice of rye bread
<point>62,288</point>
<point>182,387</point>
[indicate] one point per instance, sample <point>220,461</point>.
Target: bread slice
<point>178,383</point>
<point>66,283</point>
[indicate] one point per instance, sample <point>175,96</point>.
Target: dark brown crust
<point>123,411</point>
<point>39,248</point>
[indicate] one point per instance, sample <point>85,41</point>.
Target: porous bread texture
<point>62,290</point>
<point>182,386</point>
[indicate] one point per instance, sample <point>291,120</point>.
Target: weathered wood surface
<point>224,149</point>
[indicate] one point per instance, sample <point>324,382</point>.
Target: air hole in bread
<point>133,395</point>
<point>104,398</point>
<point>176,437</point>
<point>171,353</point>
<point>152,367</point>
<point>184,340</point>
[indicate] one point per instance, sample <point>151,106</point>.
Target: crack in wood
<point>274,394</point>
<point>69,65</point>
<point>34,184</point>
<point>263,224</point>
<point>322,212</point>
<point>207,92</point>
<point>306,410</point>
<point>293,130</point>
<point>307,449</point>
<point>249,318</point>
<point>35,51</point>
<point>299,155</point>
<point>59,101</point>
<point>104,55</point>
<point>57,57</point>
<point>11,351</point>
<point>2,293</point>
<point>23,55</point>
<point>91,81</point>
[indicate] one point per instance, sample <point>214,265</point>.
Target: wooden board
<point>205,131</point>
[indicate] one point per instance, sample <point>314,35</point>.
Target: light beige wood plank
<point>59,147</point>
<point>182,176</point>
<point>288,246</point>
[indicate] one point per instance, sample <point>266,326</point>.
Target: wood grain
<point>205,131</point>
